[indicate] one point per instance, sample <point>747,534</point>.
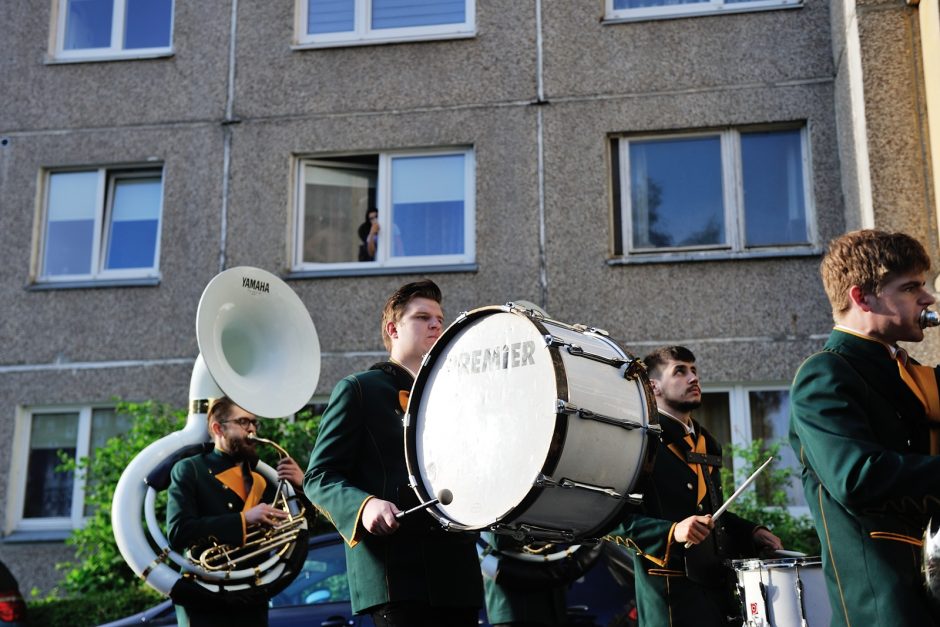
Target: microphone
<point>444,497</point>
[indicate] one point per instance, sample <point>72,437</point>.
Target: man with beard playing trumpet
<point>218,495</point>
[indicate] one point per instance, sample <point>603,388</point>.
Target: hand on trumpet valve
<point>264,514</point>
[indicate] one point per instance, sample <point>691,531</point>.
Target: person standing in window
<point>369,236</point>
<point>216,497</point>
<point>862,424</point>
<point>674,585</point>
<point>402,572</point>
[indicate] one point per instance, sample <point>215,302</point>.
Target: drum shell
<point>557,445</point>
<point>783,592</point>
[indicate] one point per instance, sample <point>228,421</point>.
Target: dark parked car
<point>319,597</point>
<point>12,606</point>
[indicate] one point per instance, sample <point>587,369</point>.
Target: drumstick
<point>444,497</point>
<point>737,493</point>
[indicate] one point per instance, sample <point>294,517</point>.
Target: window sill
<point>93,284</point>
<point>118,56</point>
<point>691,256</point>
<point>380,271</point>
<point>378,41</point>
<point>656,13</point>
<point>25,537</point>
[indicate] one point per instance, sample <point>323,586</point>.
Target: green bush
<point>767,503</point>
<point>92,609</point>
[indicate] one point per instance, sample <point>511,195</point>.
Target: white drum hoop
<point>631,368</point>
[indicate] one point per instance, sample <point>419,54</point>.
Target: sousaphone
<point>258,346</point>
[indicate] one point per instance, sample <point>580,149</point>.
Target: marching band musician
<point>860,423</point>
<point>408,571</point>
<point>217,496</point>
<point>676,586</point>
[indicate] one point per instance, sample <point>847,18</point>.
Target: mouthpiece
<point>445,496</point>
<point>929,319</point>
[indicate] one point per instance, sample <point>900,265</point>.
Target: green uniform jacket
<point>201,507</point>
<point>870,483</point>
<point>665,594</point>
<point>360,453</point>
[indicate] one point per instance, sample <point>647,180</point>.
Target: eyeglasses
<point>244,423</point>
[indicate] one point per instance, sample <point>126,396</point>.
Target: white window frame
<point>739,408</point>
<point>116,50</point>
<point>383,197</point>
<point>363,34</point>
<point>733,195</point>
<point>104,205</point>
<point>693,9</point>
<point>19,465</point>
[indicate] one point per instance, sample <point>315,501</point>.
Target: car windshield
<point>322,580</point>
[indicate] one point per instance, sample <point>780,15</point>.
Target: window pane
<point>336,201</point>
<point>639,4</point>
<point>70,223</point>
<point>135,219</point>
<point>770,420</point>
<point>774,209</point>
<point>428,205</point>
<point>49,493</point>
<point>88,24</point>
<point>148,23</point>
<point>330,16</point>
<point>676,192</point>
<point>715,416</point>
<point>404,13</point>
<point>105,424</point>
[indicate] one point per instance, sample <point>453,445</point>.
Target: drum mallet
<point>737,493</point>
<point>444,497</point>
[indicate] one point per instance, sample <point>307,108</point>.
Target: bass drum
<point>539,429</point>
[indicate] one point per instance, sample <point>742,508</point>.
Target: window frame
<point>104,211</point>
<point>739,408</point>
<point>385,263</point>
<point>363,34</point>
<point>693,9</point>
<point>116,50</point>
<point>732,176</point>
<point>19,465</point>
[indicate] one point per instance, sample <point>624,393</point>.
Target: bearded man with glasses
<point>216,496</point>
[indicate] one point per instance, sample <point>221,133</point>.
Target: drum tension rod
<point>544,481</point>
<point>563,407</point>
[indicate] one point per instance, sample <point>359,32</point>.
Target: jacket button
<point>700,507</point>
<point>688,485</point>
<point>230,506</point>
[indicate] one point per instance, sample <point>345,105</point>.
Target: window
<point>736,190</point>
<point>401,210</point>
<point>89,29</point>
<point>47,499</point>
<point>345,22</point>
<point>101,224</point>
<point>739,415</point>
<point>628,10</point>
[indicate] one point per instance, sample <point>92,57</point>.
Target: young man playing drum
<point>861,422</point>
<point>674,585</point>
<point>404,571</point>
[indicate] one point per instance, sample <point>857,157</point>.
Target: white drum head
<point>486,417</point>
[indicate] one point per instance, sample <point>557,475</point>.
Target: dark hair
<point>366,225</point>
<point>396,303</point>
<point>220,409</point>
<point>660,356</point>
<point>869,259</point>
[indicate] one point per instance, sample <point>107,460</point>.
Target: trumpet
<point>929,319</point>
<point>262,542</point>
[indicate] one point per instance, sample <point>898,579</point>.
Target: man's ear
<point>655,385</point>
<point>861,298</point>
<point>391,330</point>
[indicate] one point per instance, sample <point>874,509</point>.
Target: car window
<point>322,580</point>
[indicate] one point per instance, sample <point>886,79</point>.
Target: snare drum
<point>783,592</point>
<point>538,428</point>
